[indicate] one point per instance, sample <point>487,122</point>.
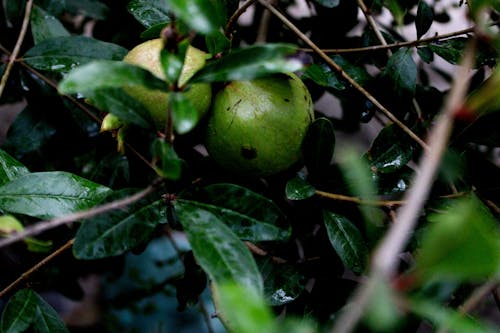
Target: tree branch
<point>17,47</point>
<point>42,226</point>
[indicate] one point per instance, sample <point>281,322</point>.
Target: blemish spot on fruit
<point>248,152</point>
<point>286,100</point>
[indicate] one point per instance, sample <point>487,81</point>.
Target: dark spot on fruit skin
<point>286,100</point>
<point>248,153</point>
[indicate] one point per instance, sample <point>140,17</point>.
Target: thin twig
<point>475,298</point>
<point>402,44</point>
<point>236,15</point>
<point>346,76</point>
<point>42,226</point>
<point>17,47</point>
<point>36,267</point>
<point>373,24</point>
<point>385,256</point>
<point>356,200</point>
<point>264,25</point>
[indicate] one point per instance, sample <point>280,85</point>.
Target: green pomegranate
<point>147,55</point>
<point>257,127</point>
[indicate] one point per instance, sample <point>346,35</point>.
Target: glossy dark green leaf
<point>50,194</point>
<point>394,183</point>
<point>248,316</point>
<point>447,319</point>
<point>10,168</point>
<point>45,26</point>
<point>391,150</point>
<point>298,188</point>
<point>149,12</point>
<point>153,32</point>
<point>91,8</point>
<point>217,43</point>
<point>201,15</point>
<point>250,215</point>
<point>221,254</point>
<point>167,164</point>
<point>347,241</point>
<point>461,243</point>
<point>47,320</point>
<point>425,54</point>
<point>62,54</point>
<point>172,65</point>
<point>328,3</point>
<point>425,16</point>
<point>282,282</point>
<point>323,76</point>
<point>249,63</point>
<point>53,7</point>
<point>103,74</point>
<point>118,231</point>
<point>401,70</point>
<point>357,72</point>
<point>30,131</point>
<point>19,312</point>
<point>184,114</point>
<point>318,145</point>
<point>122,105</point>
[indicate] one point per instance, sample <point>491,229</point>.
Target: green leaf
<point>298,188</point>
<point>401,70</point>
<point>347,241</point>
<point>357,72</point>
<point>10,168</point>
<point>149,12</point>
<point>19,312</point>
<point>201,15</point>
<point>50,194</point>
<point>323,76</point>
<point>62,54</point>
<point>282,282</point>
<point>243,310</point>
<point>122,105</point>
<point>446,319</point>
<point>425,16</point>
<point>47,319</point>
<point>250,215</point>
<point>103,74</point>
<point>460,244</point>
<point>397,11</point>
<point>118,231</point>
<point>249,63</point>
<point>328,3</point>
<point>391,150</point>
<point>217,43</point>
<point>45,26</point>
<point>217,249</point>
<point>358,177</point>
<point>167,164</point>
<point>318,145</point>
<point>184,114</point>
<point>29,132</point>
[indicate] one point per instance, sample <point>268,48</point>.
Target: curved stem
<point>232,20</point>
<point>17,47</point>
<point>36,267</point>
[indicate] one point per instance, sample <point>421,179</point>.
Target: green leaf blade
<point>46,318</point>
<point>45,26</point>
<point>102,74</point>
<point>50,194</point>
<point>19,312</point>
<point>347,241</point>
<point>425,16</point>
<point>149,13</point>
<point>10,168</point>
<point>298,188</point>
<point>62,54</point>
<point>118,231</point>
<point>250,63</point>
<point>402,71</point>
<point>217,249</point>
<point>250,215</point>
<point>200,15</point>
